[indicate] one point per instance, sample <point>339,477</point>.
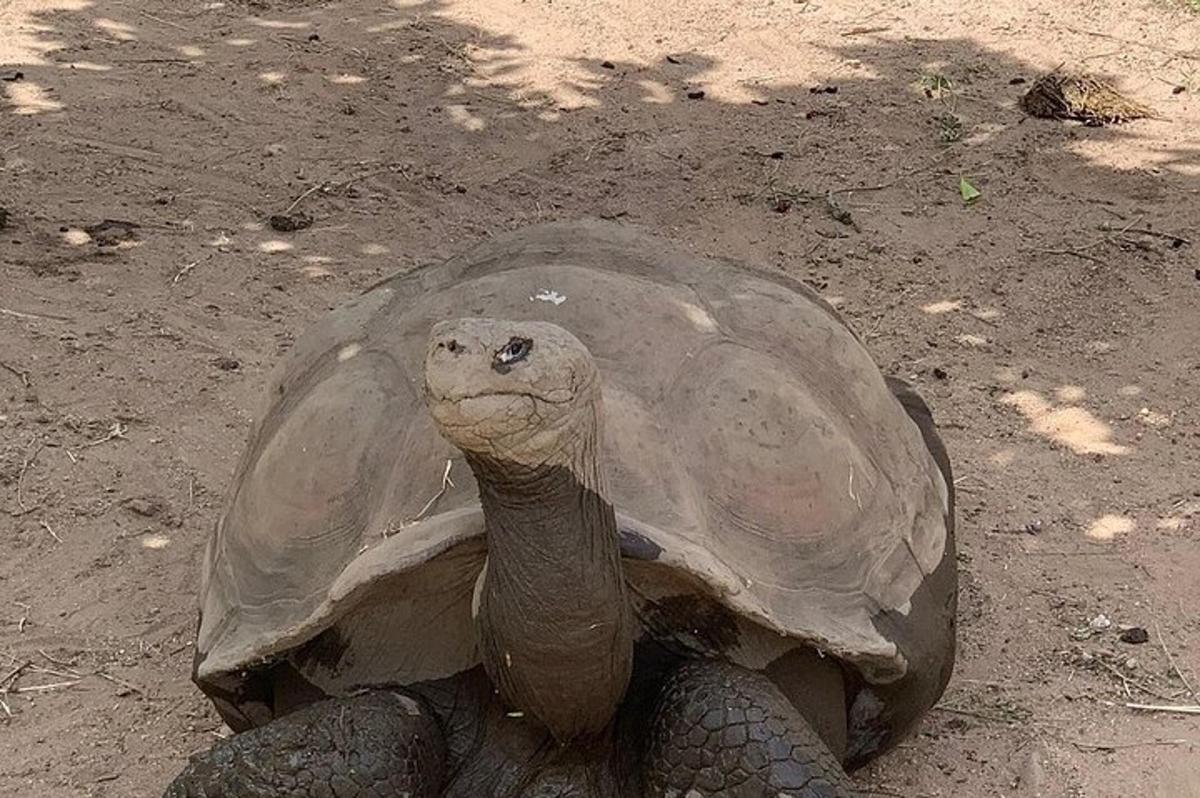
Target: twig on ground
<point>25,466</point>
<point>1145,231</point>
<point>1170,659</point>
<point>1075,254</point>
<point>54,661</point>
<point>1084,746</point>
<point>23,376</point>
<point>1126,681</point>
<point>43,688</point>
<point>1178,709</point>
<point>333,185</point>
<point>16,314</point>
<point>185,271</point>
<point>121,682</point>
<point>1164,50</point>
<point>117,430</point>
<point>11,677</point>
<point>50,529</point>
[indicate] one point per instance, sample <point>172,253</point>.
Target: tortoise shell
<point>771,489</point>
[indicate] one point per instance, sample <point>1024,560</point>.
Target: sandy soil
<point>1054,323</point>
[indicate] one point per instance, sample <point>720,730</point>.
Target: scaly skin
<point>382,744</point>
<point>721,730</point>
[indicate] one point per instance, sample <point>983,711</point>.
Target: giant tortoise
<point>576,514</point>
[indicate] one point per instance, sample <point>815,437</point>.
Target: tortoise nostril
<point>453,346</point>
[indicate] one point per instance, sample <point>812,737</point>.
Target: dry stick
<point>1075,253</point>
<point>117,430</point>
<point>121,682</point>
<point>49,529</point>
<point>1171,660</point>
<point>31,316</point>
<point>21,481</point>
<point>1082,746</point>
<point>1126,681</point>
<point>185,271</point>
<point>42,688</point>
<point>1165,50</point>
<point>1178,709</point>
<point>54,661</point>
<point>330,185</point>
<point>1145,231</point>
<point>22,375</point>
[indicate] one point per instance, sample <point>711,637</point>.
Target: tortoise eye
<point>516,350</point>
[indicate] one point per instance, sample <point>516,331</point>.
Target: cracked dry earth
<point>1053,323</point>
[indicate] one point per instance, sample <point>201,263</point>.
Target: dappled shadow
<point>404,131</point>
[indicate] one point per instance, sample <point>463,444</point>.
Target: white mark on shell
<point>156,542</point>
<point>348,352</point>
<point>546,295</point>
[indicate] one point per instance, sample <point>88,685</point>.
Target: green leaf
<point>968,191</point>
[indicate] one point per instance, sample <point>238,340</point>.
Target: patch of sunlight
<point>28,98</point>
<point>347,80</point>
<point>836,301</point>
<point>1181,518</point>
<point>1107,527</point>
<point>387,27</point>
<point>462,116</point>
<point>698,316</point>
<point>272,78</point>
<point>374,249</point>
<point>1006,375</point>
<point>973,341</point>
<point>279,24</point>
<point>1003,458</point>
<point>23,40</point>
<point>75,237</point>
<point>1123,158</point>
<point>655,93</point>
<point>986,314</point>
<point>274,246</point>
<point>1100,347</point>
<point>1153,418</point>
<point>121,31</point>
<point>87,66</point>
<point>1073,427</point>
<point>942,306</point>
<point>252,227</point>
<point>156,542</point>
<point>1070,394</point>
<point>241,42</point>
<point>316,272</point>
<point>1130,390</point>
<point>317,259</point>
<point>191,51</point>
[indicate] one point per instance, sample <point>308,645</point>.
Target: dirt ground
<point>1053,323</point>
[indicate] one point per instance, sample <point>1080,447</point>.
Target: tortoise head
<point>523,392</point>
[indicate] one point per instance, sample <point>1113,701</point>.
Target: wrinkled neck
<point>553,618</point>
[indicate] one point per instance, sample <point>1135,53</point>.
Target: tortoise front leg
<point>722,730</point>
<point>381,744</point>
